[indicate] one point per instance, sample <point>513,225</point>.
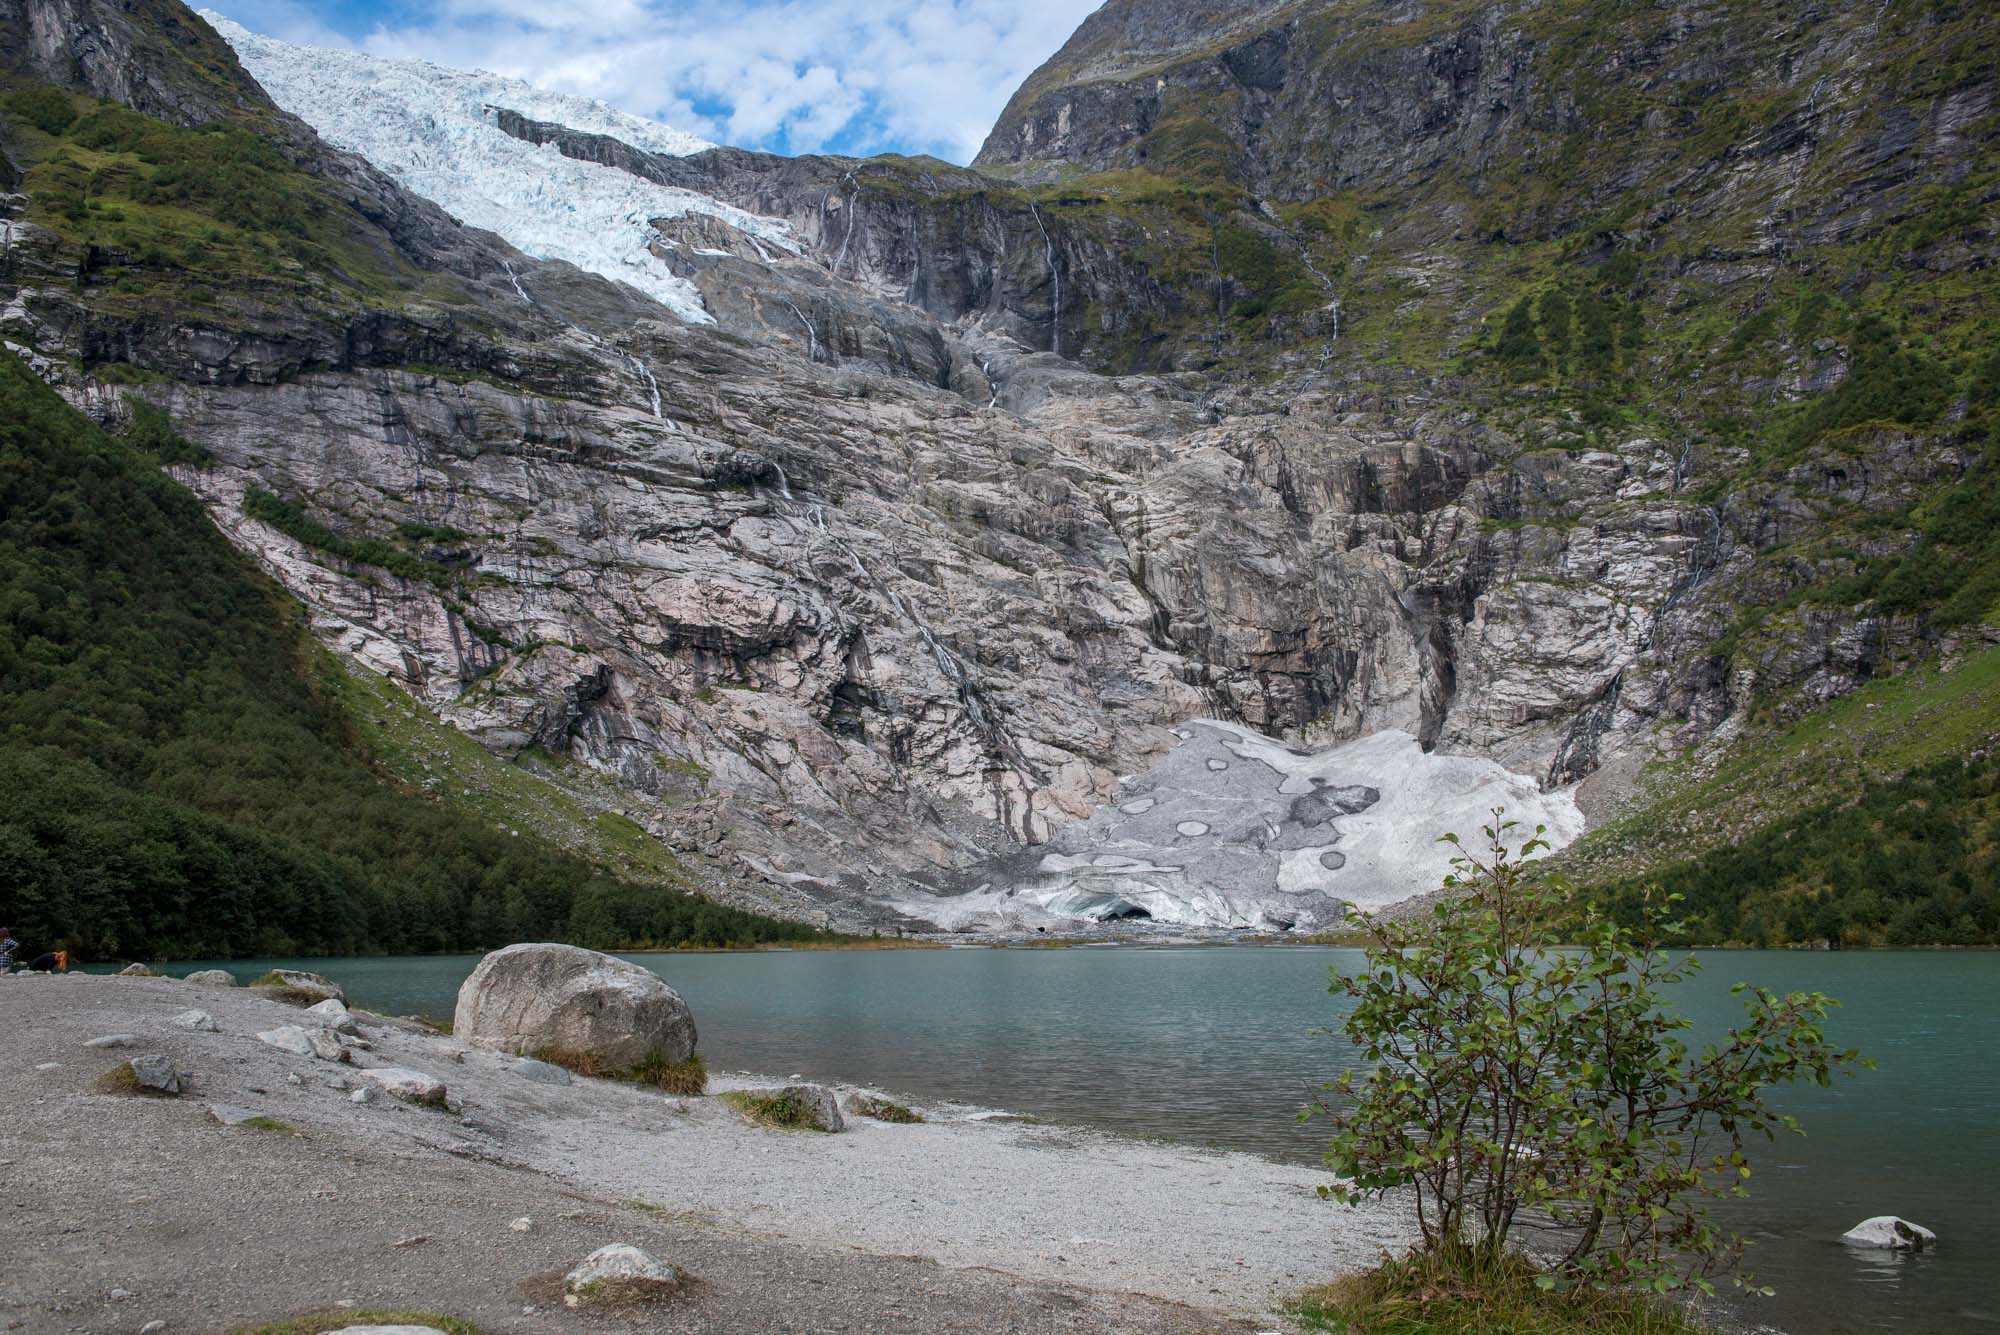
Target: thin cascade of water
<point>812,334</point>
<point>515,279</point>
<point>652,383</point>
<point>1055,277</point>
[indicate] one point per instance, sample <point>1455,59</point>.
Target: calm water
<point>1215,1046</point>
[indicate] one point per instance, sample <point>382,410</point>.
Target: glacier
<point>1233,829</point>
<point>436,130</point>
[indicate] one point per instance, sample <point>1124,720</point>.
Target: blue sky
<point>794,76</point>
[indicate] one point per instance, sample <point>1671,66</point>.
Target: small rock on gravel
<point>410,1086</point>
<point>156,1073</point>
<point>211,978</point>
<point>542,1073</point>
<point>112,1041</point>
<point>231,1115</point>
<point>317,984</point>
<point>361,1095</point>
<point>152,1328</point>
<point>522,1225</point>
<point>198,1020</point>
<point>618,1274</point>
<point>816,1104</point>
<point>289,1038</point>
<point>334,1016</point>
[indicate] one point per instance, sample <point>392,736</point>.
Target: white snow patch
<point>1219,836</point>
<point>435,130</point>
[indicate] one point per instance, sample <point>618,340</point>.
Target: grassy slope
<point>184,773</point>
<point>1872,821</point>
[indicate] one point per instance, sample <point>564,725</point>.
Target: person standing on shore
<point>9,948</point>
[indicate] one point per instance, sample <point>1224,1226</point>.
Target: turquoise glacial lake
<point>1216,1046</point>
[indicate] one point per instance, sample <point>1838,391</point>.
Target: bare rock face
<point>584,1005</point>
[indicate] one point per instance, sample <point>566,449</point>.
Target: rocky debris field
<point>389,1168</point>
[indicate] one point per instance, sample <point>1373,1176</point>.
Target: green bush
<point>50,110</point>
<point>1512,1084</point>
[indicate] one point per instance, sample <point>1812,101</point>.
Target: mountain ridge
<point>962,509</point>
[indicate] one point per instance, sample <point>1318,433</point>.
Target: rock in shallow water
<point>1888,1232</point>
<point>540,998</point>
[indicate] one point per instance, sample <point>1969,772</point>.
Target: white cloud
<point>920,76</point>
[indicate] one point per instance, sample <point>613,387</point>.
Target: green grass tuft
<point>1430,1295</point>
<point>688,1078</point>
<point>883,1110</point>
<point>277,989</point>
<point>773,1110</point>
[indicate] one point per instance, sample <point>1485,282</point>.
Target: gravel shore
<point>964,1223</point>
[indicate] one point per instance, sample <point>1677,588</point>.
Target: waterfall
<point>812,334</point>
<point>846,231</point>
<point>515,280</point>
<point>1332,302</point>
<point>652,384</point>
<point>1055,277</point>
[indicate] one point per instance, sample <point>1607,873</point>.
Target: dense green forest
<point>176,778</point>
<point>1908,861</point>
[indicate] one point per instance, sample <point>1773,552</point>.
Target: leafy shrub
<point>1514,1085</point>
<point>774,1110</point>
<point>153,431</point>
<point>48,109</point>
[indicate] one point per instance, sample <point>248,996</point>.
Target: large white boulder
<point>578,1003</point>
<point>1890,1233</point>
<point>211,978</point>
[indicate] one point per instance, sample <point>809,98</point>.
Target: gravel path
<point>957,1225</point>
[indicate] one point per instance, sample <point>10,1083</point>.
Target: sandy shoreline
<point>1067,1229</point>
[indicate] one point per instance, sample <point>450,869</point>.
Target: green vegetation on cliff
<point>180,773</point>
<point>167,218</point>
<point>1873,821</point>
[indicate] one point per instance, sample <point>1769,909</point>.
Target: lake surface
<point>1215,1046</point>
